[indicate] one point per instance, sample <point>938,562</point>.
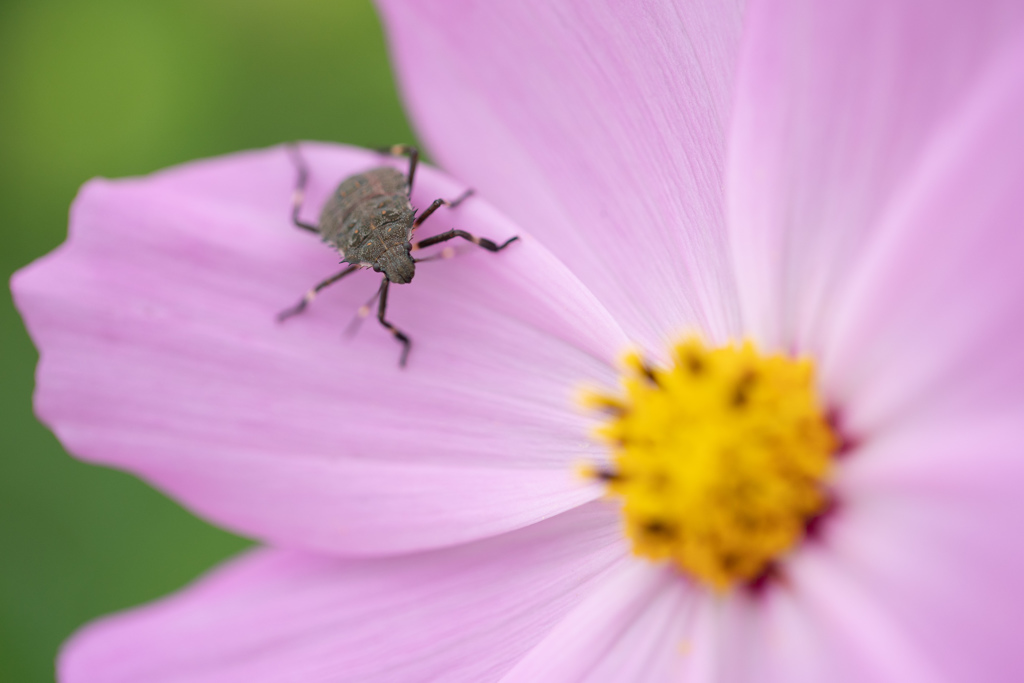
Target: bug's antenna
<point>302,175</point>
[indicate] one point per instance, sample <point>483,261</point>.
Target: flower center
<point>720,459</point>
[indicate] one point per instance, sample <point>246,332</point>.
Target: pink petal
<point>160,355</point>
<point>601,127</point>
<point>875,200</point>
<point>460,614</point>
<point>634,627</point>
<point>843,110</point>
<point>916,578</point>
<point>931,328</point>
<point>815,628</point>
<point>929,530</point>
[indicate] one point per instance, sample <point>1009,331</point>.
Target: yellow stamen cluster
<point>720,459</point>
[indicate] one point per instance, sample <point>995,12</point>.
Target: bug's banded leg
<point>300,187</point>
<point>398,334</point>
<point>438,203</point>
<point>361,313</point>
<point>446,253</point>
<point>452,234</point>
<point>311,294</point>
<point>414,157</point>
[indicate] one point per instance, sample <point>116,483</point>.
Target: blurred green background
<point>114,88</point>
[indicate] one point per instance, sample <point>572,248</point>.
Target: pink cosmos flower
<point>839,181</point>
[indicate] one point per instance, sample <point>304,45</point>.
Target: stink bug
<point>370,221</point>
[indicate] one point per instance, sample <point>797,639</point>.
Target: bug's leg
<point>361,313</point>
<point>300,187</point>
<point>311,294</point>
<point>446,253</point>
<point>414,157</point>
<point>398,334</point>
<point>452,234</point>
<point>438,203</point>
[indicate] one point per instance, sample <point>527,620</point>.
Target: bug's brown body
<point>369,220</point>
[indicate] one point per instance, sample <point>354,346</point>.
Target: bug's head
<point>397,264</point>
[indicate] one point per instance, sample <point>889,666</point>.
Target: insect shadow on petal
<point>370,221</point>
